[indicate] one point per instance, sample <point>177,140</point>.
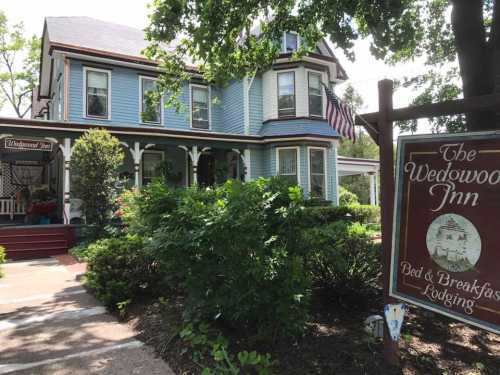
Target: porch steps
<point>31,242</point>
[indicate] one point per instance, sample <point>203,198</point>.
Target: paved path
<point>50,325</point>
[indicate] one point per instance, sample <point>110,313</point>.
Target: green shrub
<point>343,257</point>
<point>346,197</point>
<point>95,160</point>
<point>3,256</point>
<point>317,216</point>
<point>236,251</point>
<point>120,269</point>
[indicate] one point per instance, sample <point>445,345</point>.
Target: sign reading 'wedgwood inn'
<point>446,240</point>
<point>28,144</point>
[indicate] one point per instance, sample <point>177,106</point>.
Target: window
<point>317,172</point>
<point>286,94</point>
<point>151,166</point>
<point>315,94</point>
<point>288,163</point>
<point>59,102</point>
<point>150,111</point>
<point>97,91</point>
<point>291,42</point>
<point>199,107</point>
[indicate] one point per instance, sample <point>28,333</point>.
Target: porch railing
<point>9,206</point>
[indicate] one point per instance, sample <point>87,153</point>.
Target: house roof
<point>91,33</point>
<point>298,127</point>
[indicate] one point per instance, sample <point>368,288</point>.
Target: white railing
<point>9,206</point>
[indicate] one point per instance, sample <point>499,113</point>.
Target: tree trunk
<point>476,59</point>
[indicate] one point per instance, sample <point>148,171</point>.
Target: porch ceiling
<point>348,166</point>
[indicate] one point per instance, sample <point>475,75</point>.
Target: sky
<point>363,74</point>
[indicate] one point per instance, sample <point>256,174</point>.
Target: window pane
<point>288,163</point>
<point>97,105</point>
<point>291,42</point>
<point>97,80</point>
<point>317,161</point>
<point>317,173</point>
<point>97,94</point>
<point>199,108</point>
<point>151,163</point>
<point>314,84</point>
<point>200,96</point>
<point>317,186</point>
<point>315,105</point>
<point>286,94</point>
<point>151,111</point>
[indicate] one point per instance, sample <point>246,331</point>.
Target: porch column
<point>245,157</point>
<point>66,151</point>
<point>136,154</point>
<point>373,189</point>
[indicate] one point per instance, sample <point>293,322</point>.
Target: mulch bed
<point>335,342</point>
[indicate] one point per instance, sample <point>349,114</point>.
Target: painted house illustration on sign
<point>451,242</point>
<point>93,75</point>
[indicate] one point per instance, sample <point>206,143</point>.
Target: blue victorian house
<point>93,75</point>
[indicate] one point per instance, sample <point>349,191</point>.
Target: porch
<point>348,166</point>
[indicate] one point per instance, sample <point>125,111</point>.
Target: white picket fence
<point>9,206</point>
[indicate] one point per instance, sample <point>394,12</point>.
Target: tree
<point>95,160</point>
<point>17,79</point>
<point>364,147</point>
<point>218,36</point>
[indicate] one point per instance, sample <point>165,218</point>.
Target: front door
<point>206,170</point>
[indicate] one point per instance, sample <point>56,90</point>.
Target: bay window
<point>97,93</point>
<point>315,94</point>
<point>288,164</point>
<point>150,111</point>
<point>291,41</point>
<point>286,94</point>
<point>317,175</point>
<point>200,112</point>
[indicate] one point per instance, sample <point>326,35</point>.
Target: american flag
<point>339,116</point>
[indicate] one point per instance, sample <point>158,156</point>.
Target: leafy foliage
<point>3,256</point>
<point>318,216</point>
<point>17,79</point>
<point>95,160</point>
<point>236,252</point>
<point>120,269</point>
<point>347,197</point>
<point>220,36</point>
<point>207,341</point>
<point>344,259</point>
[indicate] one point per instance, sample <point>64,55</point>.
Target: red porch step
<point>31,242</point>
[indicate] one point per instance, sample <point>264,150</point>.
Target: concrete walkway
<point>50,325</point>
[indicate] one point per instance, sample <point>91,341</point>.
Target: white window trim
<point>294,71</point>
<point>108,72</point>
<point>278,160</point>
<point>209,88</point>
<point>323,96</point>
<point>141,121</point>
<point>283,43</point>
<point>142,160</point>
<point>325,165</point>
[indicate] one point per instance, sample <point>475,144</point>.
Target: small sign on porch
<point>446,226</point>
<point>28,144</point>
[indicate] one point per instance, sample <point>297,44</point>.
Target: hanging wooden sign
<point>446,237</point>
<point>28,144</point>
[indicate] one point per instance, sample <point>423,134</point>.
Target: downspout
<point>247,85</point>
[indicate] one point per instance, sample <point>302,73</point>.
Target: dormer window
<point>286,94</point>
<point>290,41</point>
<point>97,93</point>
